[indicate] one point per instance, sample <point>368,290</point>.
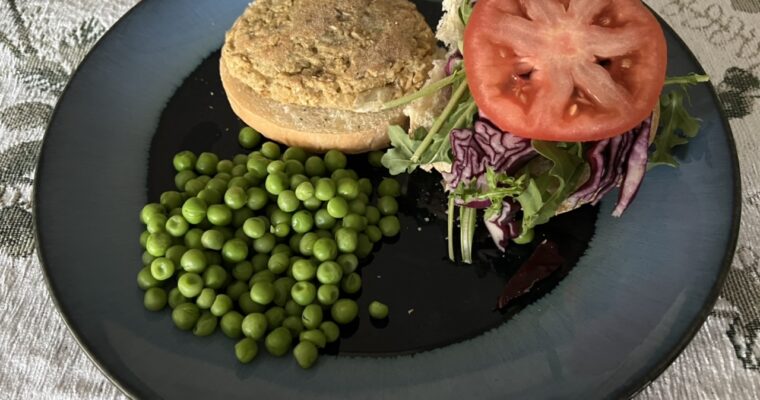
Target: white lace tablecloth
<point>41,43</point>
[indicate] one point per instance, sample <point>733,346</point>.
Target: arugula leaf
<point>677,127</point>
<point>425,91</point>
<point>465,10</point>
<point>397,158</point>
<point>544,194</point>
<point>690,79</point>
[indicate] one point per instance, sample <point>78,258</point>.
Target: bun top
<point>341,54</point>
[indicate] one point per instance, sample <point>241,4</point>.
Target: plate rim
<point>626,391</point>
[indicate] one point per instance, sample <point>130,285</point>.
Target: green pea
<point>282,287</point>
<point>247,306</point>
<point>275,316</point>
<point>390,226</point>
<point>349,263</point>
<point>232,324</point>
<point>218,185</point>
<point>240,216</point>
<point>175,253</point>
<point>389,187</point>
<point>212,239</point>
<point>184,161</point>
<point>236,289</point>
<point>337,207</point>
<point>302,221</point>
<point>157,223</point>
<point>255,326</point>
<point>334,159</point>
<point>293,309</point>
<point>240,159</point>
<point>278,341</point>
<point>144,238</point>
<point>239,181</point>
<point>364,246</point>
<point>328,294</point>
<point>325,249</point>
<point>357,206</point>
<point>171,199</point>
<point>248,137</point>
<point>347,240</point>
<point>351,283</point>
<point>375,158</point>
<point>323,219</point>
<point>147,258</point>
<point>262,292</point>
<point>206,324</point>
<point>162,268</point>
<point>276,166</point>
<point>387,205</point>
<point>312,204</point>
<point>341,173</point>
<point>155,299</point>
<point>190,284</point>
<point>259,262</point>
<point>262,276</point>
<point>194,210</point>
<point>214,277</point>
<point>270,150</point>
<point>344,311</point>
<point>312,316</point>
<point>276,183</point>
<point>182,178</point>
<point>176,298</point>
<point>193,260</point>
<point>325,189</point>
<point>378,310</point>
<point>158,243</point>
<point>329,273</point>
<point>210,196</point>
<point>324,233</point>
<point>303,293</point>
<point>293,167</point>
<point>373,233</point>
<point>296,180</point>
<point>278,263</point>
<point>246,350</point>
<point>355,221</point>
<point>295,153</point>
<point>185,316</point>
<point>314,166</point>
<point>258,166</point>
<point>293,324</point>
<point>242,271</point>
<point>235,197</point>
<point>206,298</point>
<point>264,244</point>
<point>315,336</point>
<point>193,238</point>
<point>365,187</point>
<point>304,191</point>
<point>234,250</point>
<point>194,186</point>
<point>280,230</point>
<point>331,331</point>
<point>304,270</point>
<point>306,246</point>
<point>348,188</point>
<point>287,201</point>
<point>222,305</point>
<point>224,166</point>
<point>255,227</point>
<point>206,163</point>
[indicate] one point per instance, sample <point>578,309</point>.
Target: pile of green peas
<point>264,246</point>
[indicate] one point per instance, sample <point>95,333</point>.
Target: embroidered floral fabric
<point>41,42</point>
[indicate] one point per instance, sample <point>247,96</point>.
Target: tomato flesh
<point>564,70</point>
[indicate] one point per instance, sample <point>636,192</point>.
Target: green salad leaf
<point>544,193</point>
<point>677,127</point>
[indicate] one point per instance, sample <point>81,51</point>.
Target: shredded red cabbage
<point>504,226</point>
<point>485,146</point>
<point>635,169</point>
<point>454,59</point>
<point>540,265</point>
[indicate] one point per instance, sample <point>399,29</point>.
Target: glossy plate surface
<point>640,292</point>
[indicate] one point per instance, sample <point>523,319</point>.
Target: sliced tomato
<point>564,70</point>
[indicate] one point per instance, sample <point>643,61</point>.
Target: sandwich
<point>315,74</point>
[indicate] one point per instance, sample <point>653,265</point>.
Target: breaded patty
<point>340,54</point>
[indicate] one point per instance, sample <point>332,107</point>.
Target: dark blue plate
<point>624,311</point>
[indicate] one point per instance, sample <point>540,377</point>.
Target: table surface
<point>42,42</point>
